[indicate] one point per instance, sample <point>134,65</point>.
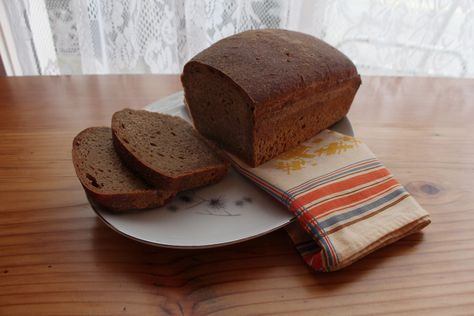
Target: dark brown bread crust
<point>132,152</point>
<point>118,190</point>
<point>292,85</point>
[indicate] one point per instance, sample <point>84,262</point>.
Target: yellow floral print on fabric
<point>301,156</point>
<point>294,159</point>
<point>335,148</point>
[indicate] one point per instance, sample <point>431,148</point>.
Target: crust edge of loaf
<point>214,57</point>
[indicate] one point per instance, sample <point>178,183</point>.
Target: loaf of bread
<point>261,92</point>
<point>165,150</point>
<point>105,178</point>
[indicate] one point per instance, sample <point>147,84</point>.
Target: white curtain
<point>385,37</point>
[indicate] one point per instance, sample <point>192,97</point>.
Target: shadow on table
<point>268,265</point>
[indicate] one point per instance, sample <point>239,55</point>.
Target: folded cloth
<point>345,199</point>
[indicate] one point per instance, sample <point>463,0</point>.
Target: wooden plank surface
<point>57,258</point>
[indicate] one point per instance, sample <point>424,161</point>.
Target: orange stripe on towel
<point>339,186</point>
<point>333,205</point>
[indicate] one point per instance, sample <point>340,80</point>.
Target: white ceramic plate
<point>230,211</point>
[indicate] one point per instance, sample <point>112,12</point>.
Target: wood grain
<point>57,258</point>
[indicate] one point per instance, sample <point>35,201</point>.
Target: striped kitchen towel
<point>344,198</point>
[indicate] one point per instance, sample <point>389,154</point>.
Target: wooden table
<point>57,258</point>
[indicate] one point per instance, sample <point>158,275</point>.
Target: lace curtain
<point>418,37</point>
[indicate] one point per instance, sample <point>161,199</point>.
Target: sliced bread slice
<point>166,151</point>
<point>106,180</point>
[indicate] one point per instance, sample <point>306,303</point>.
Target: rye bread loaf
<point>105,178</point>
<point>166,151</point>
<point>261,92</point>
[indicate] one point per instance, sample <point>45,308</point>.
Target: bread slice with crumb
<point>106,180</point>
<point>166,151</point>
